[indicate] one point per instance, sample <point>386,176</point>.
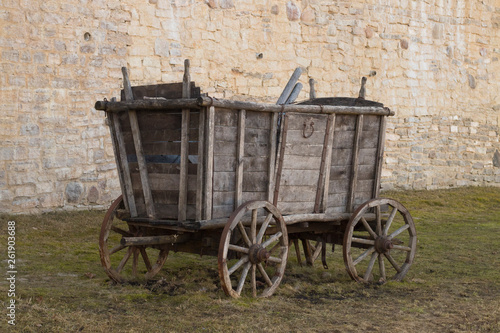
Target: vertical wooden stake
<point>272,156</point>
<point>141,160</point>
<point>326,162</point>
<point>209,170</point>
<point>122,163</point>
<point>200,167</point>
<point>380,156</point>
<point>240,153</point>
<point>183,176</point>
<point>355,164</point>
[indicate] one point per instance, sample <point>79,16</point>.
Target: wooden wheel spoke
<point>238,248</point>
<point>402,248</point>
<point>263,228</point>
<point>121,231</point>
<point>400,230</point>
<point>363,241</point>
<point>264,274</point>
<point>254,280</point>
<point>116,249</point>
<point>368,228</point>
<point>238,264</point>
<point>253,227</point>
<point>393,262</point>
<point>275,260</point>
<point>272,239</point>
<point>145,257</point>
<point>243,277</point>
<point>389,221</point>
<point>369,269</point>
<point>244,234</point>
<point>364,255</point>
<point>124,260</point>
<point>381,267</point>
<point>379,220</point>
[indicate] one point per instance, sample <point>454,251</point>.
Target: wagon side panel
<point>242,156</point>
<point>356,160</point>
<point>161,143</point>
<point>303,140</point>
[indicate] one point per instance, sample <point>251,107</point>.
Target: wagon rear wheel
<point>253,250</point>
<point>125,263</point>
<point>382,247</point>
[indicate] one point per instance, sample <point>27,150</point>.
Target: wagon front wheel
<point>253,250</point>
<point>124,263</point>
<point>379,242</point>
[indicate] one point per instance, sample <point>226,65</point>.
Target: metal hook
<point>305,128</point>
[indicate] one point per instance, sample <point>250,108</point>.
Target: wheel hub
<point>258,254</point>
<point>383,244</point>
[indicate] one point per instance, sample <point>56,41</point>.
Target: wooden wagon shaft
<point>154,240</point>
<point>289,86</point>
<point>205,101</point>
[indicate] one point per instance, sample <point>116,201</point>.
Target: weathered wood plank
<point>164,181</point>
<point>226,133</point>
<point>299,162</point>
<point>295,207</point>
<point>345,122</point>
<point>303,150</point>
<point>172,197</point>
<point>224,198</point>
<point>258,120</point>
<point>240,163</point>
<point>224,163</point>
<point>227,148</point>
<point>256,163</point>
<point>226,117</point>
<point>300,178</point>
<point>222,211</point>
<point>343,139</point>
<point>224,181</point>
<point>298,193</point>
<point>341,156</point>
<point>255,181</point>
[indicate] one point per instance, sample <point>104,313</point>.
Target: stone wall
<point>435,63</point>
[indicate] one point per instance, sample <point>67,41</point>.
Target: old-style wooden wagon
<point>244,181</point>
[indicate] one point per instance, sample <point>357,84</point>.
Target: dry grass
<point>453,286</point>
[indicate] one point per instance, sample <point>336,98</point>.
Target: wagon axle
<point>258,254</point>
<point>383,244</point>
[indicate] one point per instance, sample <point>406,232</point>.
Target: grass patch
<point>453,286</point>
